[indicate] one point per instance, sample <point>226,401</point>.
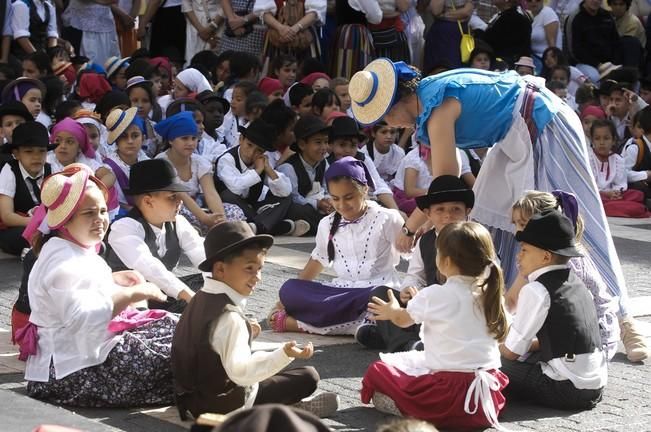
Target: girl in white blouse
<point>357,241</point>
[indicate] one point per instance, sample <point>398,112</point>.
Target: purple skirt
<point>322,305</point>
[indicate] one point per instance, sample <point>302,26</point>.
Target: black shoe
<point>284,227</point>
<point>368,335</point>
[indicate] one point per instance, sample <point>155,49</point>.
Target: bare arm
<point>441,125</point>
<point>8,214</point>
<point>437,7</point>
<point>26,45</point>
<point>311,270</point>
<point>152,8</point>
<point>6,46</point>
<point>551,32</point>
<point>388,201</point>
<point>461,14</point>
<point>390,310</point>
<point>512,294</point>
<point>106,176</point>
<point>411,181</point>
<point>213,200</point>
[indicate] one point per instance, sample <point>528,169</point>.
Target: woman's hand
<point>287,33</point>
<point>128,278</point>
<point>325,206</point>
<point>293,351</point>
<point>205,33</point>
<point>236,22</point>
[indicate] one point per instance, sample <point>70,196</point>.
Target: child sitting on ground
<point>20,183</point>
<point>383,150</point>
<point>448,200</point>
<point>462,321</point>
<point>213,366</point>
<point>152,236</point>
<point>300,98</point>
<point>12,114</point>
<point>609,170</point>
<point>637,155</point>
<point>236,117</point>
<point>541,361</point>
<point>284,119</point>
<point>358,242</point>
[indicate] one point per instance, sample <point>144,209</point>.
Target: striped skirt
<point>313,51</point>
<point>392,44</point>
<point>352,50</point>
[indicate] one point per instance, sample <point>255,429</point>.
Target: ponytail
<point>336,220</point>
<point>492,295</point>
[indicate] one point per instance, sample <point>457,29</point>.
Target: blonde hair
<point>533,202</point>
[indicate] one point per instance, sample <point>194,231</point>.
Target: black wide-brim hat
<point>29,134</point>
<point>16,108</point>
<point>307,126</point>
<point>344,127</point>
<point>446,188</point>
<point>207,95</point>
<point>228,237</point>
<point>260,133</point>
<point>153,175</point>
<point>551,231</point>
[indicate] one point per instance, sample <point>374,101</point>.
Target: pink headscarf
<point>309,79</point>
<point>162,62</point>
<point>595,111</point>
<point>78,131</point>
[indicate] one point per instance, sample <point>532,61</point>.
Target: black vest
<point>254,191</point>
<point>37,29</point>
<point>427,246</point>
<point>347,15</point>
<point>23,200</point>
<point>645,161</point>
<point>571,326</point>
<point>173,248</point>
<point>304,182</point>
<point>475,165</point>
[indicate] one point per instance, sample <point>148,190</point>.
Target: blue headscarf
<point>179,125</point>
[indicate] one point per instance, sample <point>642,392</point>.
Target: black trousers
<point>396,338</point>
<point>193,281</point>
<point>288,387</point>
<point>12,241</point>
<point>528,382</point>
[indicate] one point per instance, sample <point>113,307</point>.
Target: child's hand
<point>147,291</point>
<point>259,164</point>
<point>128,278</point>
<point>325,206</point>
<point>408,293</point>
<point>255,328</point>
<point>384,311</point>
<point>292,350</point>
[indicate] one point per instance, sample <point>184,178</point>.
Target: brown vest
<point>200,381</point>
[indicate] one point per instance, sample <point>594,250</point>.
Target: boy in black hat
<point>244,177</point>
<point>20,183</point>
<point>152,236</point>
<point>12,114</point>
<point>215,108</point>
<point>552,353</point>
<point>306,169</point>
<point>213,366</point>
<point>345,139</point>
<point>448,200</point>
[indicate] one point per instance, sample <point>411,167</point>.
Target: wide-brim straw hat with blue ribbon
<point>118,121</point>
<point>113,64</point>
<point>373,90</point>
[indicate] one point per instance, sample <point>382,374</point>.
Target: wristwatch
<point>406,231</point>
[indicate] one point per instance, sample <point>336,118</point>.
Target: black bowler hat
<point>153,175</point>
<point>16,108</point>
<point>306,126</point>
<point>260,133</point>
<point>228,237</point>
<point>446,188</point>
<point>29,134</point>
<point>344,127</point>
<point>551,231</point>
<point>206,96</point>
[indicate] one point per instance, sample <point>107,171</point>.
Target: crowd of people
<point>137,132</point>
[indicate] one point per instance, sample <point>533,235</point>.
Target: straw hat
<point>526,62</point>
<point>606,68</point>
<point>118,121</point>
<point>372,91</point>
<point>113,64</point>
<point>61,194</point>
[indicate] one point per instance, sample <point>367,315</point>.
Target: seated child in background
<point>236,117</point>
<point>340,86</point>
<point>557,371</point>
<point>215,108</point>
<point>12,114</point>
<point>345,139</point>
<point>560,89</point>
<point>283,68</point>
<point>244,177</point>
<point>284,119</point>
<point>383,150</point>
<point>463,320</point>
<point>324,102</point>
<point>448,200</point>
<point>609,170</point>
<point>306,169</point>
<point>195,172</point>
<point>300,98</point>
<point>256,102</point>
<point>213,366</point>
<point>20,183</point>
<point>588,116</point>
<point>637,155</point>
<point>96,131</point>
<point>126,138</point>
<point>152,236</point>
<point>271,88</point>
<point>358,242</point>
<point>141,95</point>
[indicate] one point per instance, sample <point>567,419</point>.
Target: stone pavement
<point>341,362</point>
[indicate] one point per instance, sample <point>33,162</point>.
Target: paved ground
<point>341,363</point>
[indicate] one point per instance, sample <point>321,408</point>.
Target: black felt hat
<point>16,108</point>
<point>306,126</point>
<point>228,237</point>
<point>343,127</point>
<point>29,134</point>
<point>153,175</point>
<point>551,231</point>
<point>207,96</point>
<point>260,133</point>
<point>446,188</point>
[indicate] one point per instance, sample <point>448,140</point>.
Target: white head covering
<point>194,80</point>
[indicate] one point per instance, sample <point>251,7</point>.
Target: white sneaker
<point>301,228</point>
<point>321,405</point>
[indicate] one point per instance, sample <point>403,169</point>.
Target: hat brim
<point>8,148</point>
<point>9,87</point>
<point>570,251</point>
<point>607,72</point>
<point>174,187</point>
<point>264,240</point>
<point>382,101</point>
<point>265,146</point>
<point>465,196</point>
<point>325,129</point>
<point>225,104</point>
<point>116,67</point>
<point>114,134</point>
<point>360,136</point>
<point>17,112</point>
<point>59,216</point>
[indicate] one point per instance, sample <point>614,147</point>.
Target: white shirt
<point>413,160</point>
<point>209,148</point>
<point>586,371</point>
<point>318,191</point>
<point>454,327</point>
<point>20,18</point>
<point>386,163</point>
<point>317,6</point>
<point>416,271</point>
<point>81,158</point>
<point>240,181</point>
<point>380,186</point>
<point>609,175</point>
<point>70,290</point>
<point>630,158</point>
<point>365,253</point>
<point>200,167</point>
<point>370,8</point>
<point>127,239</point>
<point>229,338</point>
<point>539,43</point>
<point>8,181</point>
<point>229,130</point>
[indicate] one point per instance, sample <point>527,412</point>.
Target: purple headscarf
<point>568,205</point>
<point>350,167</point>
<point>78,131</point>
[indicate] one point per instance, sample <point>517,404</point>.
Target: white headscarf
<point>194,80</point>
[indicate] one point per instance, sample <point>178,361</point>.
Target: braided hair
<point>336,219</point>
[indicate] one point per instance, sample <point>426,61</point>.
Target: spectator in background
<point>444,35</point>
<point>630,29</point>
<point>5,26</point>
<point>545,30</point>
<point>167,29</point>
<point>509,32</point>
<point>34,27</point>
<point>90,28</point>
<point>564,8</point>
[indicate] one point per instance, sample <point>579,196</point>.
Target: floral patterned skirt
<point>136,372</point>
<point>231,211</point>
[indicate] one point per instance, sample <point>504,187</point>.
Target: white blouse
<point>81,158</point>
<point>609,175</point>
<point>199,165</point>
<point>365,254</point>
<point>317,6</point>
<point>413,160</point>
<point>70,290</point>
<point>113,155</point>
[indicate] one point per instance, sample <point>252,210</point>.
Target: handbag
<point>467,44</point>
<point>291,13</point>
<point>248,27</point>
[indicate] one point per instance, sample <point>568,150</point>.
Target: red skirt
<point>630,206</point>
<point>18,321</point>
<point>438,398</point>
<point>404,202</point>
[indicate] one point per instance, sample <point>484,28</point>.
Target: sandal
<point>277,319</point>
